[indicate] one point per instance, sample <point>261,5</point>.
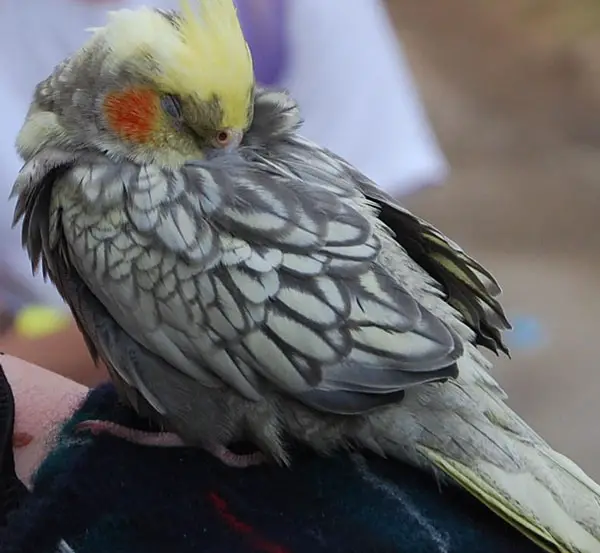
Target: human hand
<point>43,401</point>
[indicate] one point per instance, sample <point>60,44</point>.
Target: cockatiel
<point>242,283</point>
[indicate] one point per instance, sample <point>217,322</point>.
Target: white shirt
<point>346,70</point>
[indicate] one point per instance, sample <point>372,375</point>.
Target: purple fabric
<point>264,25</point>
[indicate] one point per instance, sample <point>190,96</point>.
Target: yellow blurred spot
<point>36,321</point>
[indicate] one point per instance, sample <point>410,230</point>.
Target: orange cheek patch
<point>133,113</point>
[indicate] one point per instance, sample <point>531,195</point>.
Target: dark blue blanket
<point>105,495</point>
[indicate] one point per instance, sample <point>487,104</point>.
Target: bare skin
<point>43,401</point>
<point>168,439</point>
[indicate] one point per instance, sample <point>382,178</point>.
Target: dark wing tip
<point>358,399</point>
<point>458,274</point>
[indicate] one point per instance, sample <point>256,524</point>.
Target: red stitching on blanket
<point>259,544</point>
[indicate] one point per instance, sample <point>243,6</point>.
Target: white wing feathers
<point>249,271</point>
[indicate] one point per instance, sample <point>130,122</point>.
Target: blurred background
<point>513,92</point>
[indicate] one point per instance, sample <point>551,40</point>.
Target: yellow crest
<point>214,59</point>
<point>204,55</point>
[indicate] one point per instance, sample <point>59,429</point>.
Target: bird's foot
<point>236,460</point>
<point>167,439</point>
<point>133,435</point>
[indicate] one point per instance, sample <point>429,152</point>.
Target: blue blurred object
<point>264,25</point>
<point>528,333</point>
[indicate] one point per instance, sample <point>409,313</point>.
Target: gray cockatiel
<point>240,282</point>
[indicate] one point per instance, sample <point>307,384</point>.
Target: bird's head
<point>151,86</point>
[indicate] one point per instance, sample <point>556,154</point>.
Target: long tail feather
<point>525,503</point>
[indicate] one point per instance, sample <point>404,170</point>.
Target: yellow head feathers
<point>204,55</point>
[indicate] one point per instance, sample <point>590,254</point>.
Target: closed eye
<point>171,104</point>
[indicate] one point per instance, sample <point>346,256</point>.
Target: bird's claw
<point>167,439</point>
